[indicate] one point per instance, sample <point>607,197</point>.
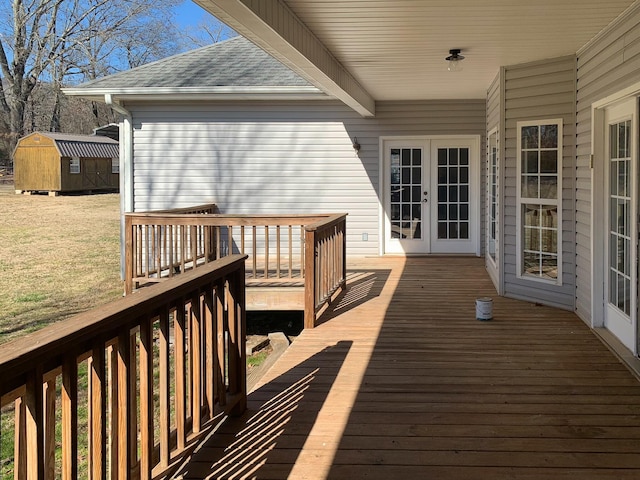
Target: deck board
<point>401,381</point>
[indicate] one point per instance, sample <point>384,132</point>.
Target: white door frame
<point>599,192</point>
<point>475,162</point>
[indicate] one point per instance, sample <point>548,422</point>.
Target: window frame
<point>115,165</point>
<point>74,161</point>
<point>552,202</point>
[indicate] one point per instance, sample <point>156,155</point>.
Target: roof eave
<point>210,93</point>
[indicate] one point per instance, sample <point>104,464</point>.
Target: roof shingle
<point>233,63</point>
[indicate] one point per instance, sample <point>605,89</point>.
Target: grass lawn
<point>58,256</point>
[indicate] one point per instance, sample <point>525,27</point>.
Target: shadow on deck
<point>401,381</point>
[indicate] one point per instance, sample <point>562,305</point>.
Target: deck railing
<point>162,244</point>
<point>140,380</point>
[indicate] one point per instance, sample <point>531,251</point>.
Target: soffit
<point>395,49</point>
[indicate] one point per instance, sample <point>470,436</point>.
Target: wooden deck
<point>401,381</point>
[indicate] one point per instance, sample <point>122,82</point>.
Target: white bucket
<point>484,308</point>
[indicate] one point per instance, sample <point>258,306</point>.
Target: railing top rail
<point>77,333</point>
<point>327,222</point>
<point>207,207</point>
<point>229,219</point>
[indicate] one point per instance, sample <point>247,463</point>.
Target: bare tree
<point>57,41</point>
<point>207,31</point>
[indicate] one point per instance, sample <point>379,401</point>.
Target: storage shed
<point>60,162</point>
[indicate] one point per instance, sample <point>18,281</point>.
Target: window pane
<point>549,161</point>
<point>453,174</point>
<point>442,174</point>
<point>530,187</point>
<point>406,175</point>
<point>453,194</point>
<point>464,230</point>
<point>530,162</point>
<point>549,136</point>
<point>453,230</point>
<point>442,156</point>
<point>417,157</point>
<point>453,156</point>
<point>406,156</point>
<point>464,156</point>
<point>549,187</point>
<point>530,137</point>
<point>395,212</point>
<point>464,193</point>
<point>442,230</point>
<point>442,211</point>
<point>453,212</point>
<point>416,194</point>
<point>442,194</point>
<point>395,157</point>
<point>464,174</point>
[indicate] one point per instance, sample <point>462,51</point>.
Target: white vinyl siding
<point>532,92</point>
<point>608,64</point>
<point>286,157</point>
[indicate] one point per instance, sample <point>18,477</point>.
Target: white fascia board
<point>213,93</point>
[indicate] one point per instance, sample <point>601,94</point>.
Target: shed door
<point>95,174</point>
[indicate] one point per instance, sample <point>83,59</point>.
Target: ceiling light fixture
<point>455,60</point>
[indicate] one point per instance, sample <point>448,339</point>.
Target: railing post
<point>309,278</point>
<point>128,255</point>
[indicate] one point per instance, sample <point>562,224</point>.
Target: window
<point>115,165</point>
<point>74,165</point>
<point>539,193</point>
<point>492,195</point>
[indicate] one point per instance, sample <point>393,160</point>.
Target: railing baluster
<point>124,414</point>
<point>266,252</point>
<point>220,350</point>
<point>180,373</point>
<point>146,398</point>
<point>112,375</point>
<point>20,450</point>
<point>164,389</point>
<point>254,253</point>
<point>207,310</point>
<point>70,419</point>
<point>97,420</point>
<point>290,251</point>
<point>50,428</point>
<point>278,251</point>
<point>195,363</point>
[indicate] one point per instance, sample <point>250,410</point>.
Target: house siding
<point>494,120</point>
<point>285,157</point>
<point>540,90</point>
<point>608,64</point>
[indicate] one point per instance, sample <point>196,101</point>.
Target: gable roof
<point>232,66</point>
<point>83,146</point>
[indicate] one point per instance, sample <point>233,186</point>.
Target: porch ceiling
<point>395,49</point>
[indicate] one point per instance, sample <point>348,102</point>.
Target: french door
<point>620,259</point>
<point>431,195</point>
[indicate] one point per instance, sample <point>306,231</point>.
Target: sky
<point>188,13</point>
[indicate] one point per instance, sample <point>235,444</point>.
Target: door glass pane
<point>406,193</point>
<point>453,193</point>
<point>620,216</point>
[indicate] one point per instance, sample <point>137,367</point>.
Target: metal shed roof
<point>83,146</point>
